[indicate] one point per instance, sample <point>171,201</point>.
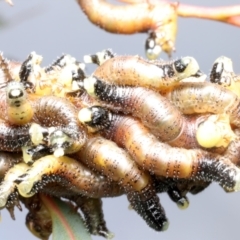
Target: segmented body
<point>205,97</point>
<point>116,164</point>
<point>135,71</point>
<point>68,173</point>
<point>159,158</point>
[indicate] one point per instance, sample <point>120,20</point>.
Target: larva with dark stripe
<point>155,111</point>
<point>163,119</point>
<point>93,215</point>
<point>69,174</point>
<point>110,160</point>
<point>135,71</point>
<point>159,158</point>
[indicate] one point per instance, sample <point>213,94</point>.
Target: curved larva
<point>155,111</point>
<point>161,159</point>
<point>67,172</point>
<point>135,71</point>
<point>160,18</point>
<point>107,158</point>
<point>8,185</point>
<point>93,214</point>
<point>60,115</point>
<point>206,97</point>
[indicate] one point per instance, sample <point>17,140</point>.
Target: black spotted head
<point>100,57</point>
<point>222,71</point>
<point>152,48</point>
<point>186,67</point>
<point>96,117</point>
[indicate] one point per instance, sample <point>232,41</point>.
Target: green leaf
<point>67,222</point>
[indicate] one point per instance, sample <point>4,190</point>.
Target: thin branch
<point>228,14</point>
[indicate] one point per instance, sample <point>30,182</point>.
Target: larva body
<point>205,97</point>
<point>162,160</point>
<point>135,71</point>
<point>68,173</point>
<point>104,156</point>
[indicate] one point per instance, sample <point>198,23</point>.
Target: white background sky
<point>54,27</point>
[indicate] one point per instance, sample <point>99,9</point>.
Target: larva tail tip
<point>237,185</point>
<point>183,203</point>
<point>165,225</point>
<point>110,236</point>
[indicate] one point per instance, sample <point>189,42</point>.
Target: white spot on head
<point>15,92</point>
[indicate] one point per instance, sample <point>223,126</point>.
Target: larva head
<point>29,66</point>
<point>187,67</point>
<point>152,48</point>
<point>100,57</point>
<point>16,94</point>
<point>222,71</point>
<point>78,73</point>
<point>95,117</point>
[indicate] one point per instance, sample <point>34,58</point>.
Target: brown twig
<point>228,14</point>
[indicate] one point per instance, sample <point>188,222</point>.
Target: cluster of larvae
<point>133,127</point>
